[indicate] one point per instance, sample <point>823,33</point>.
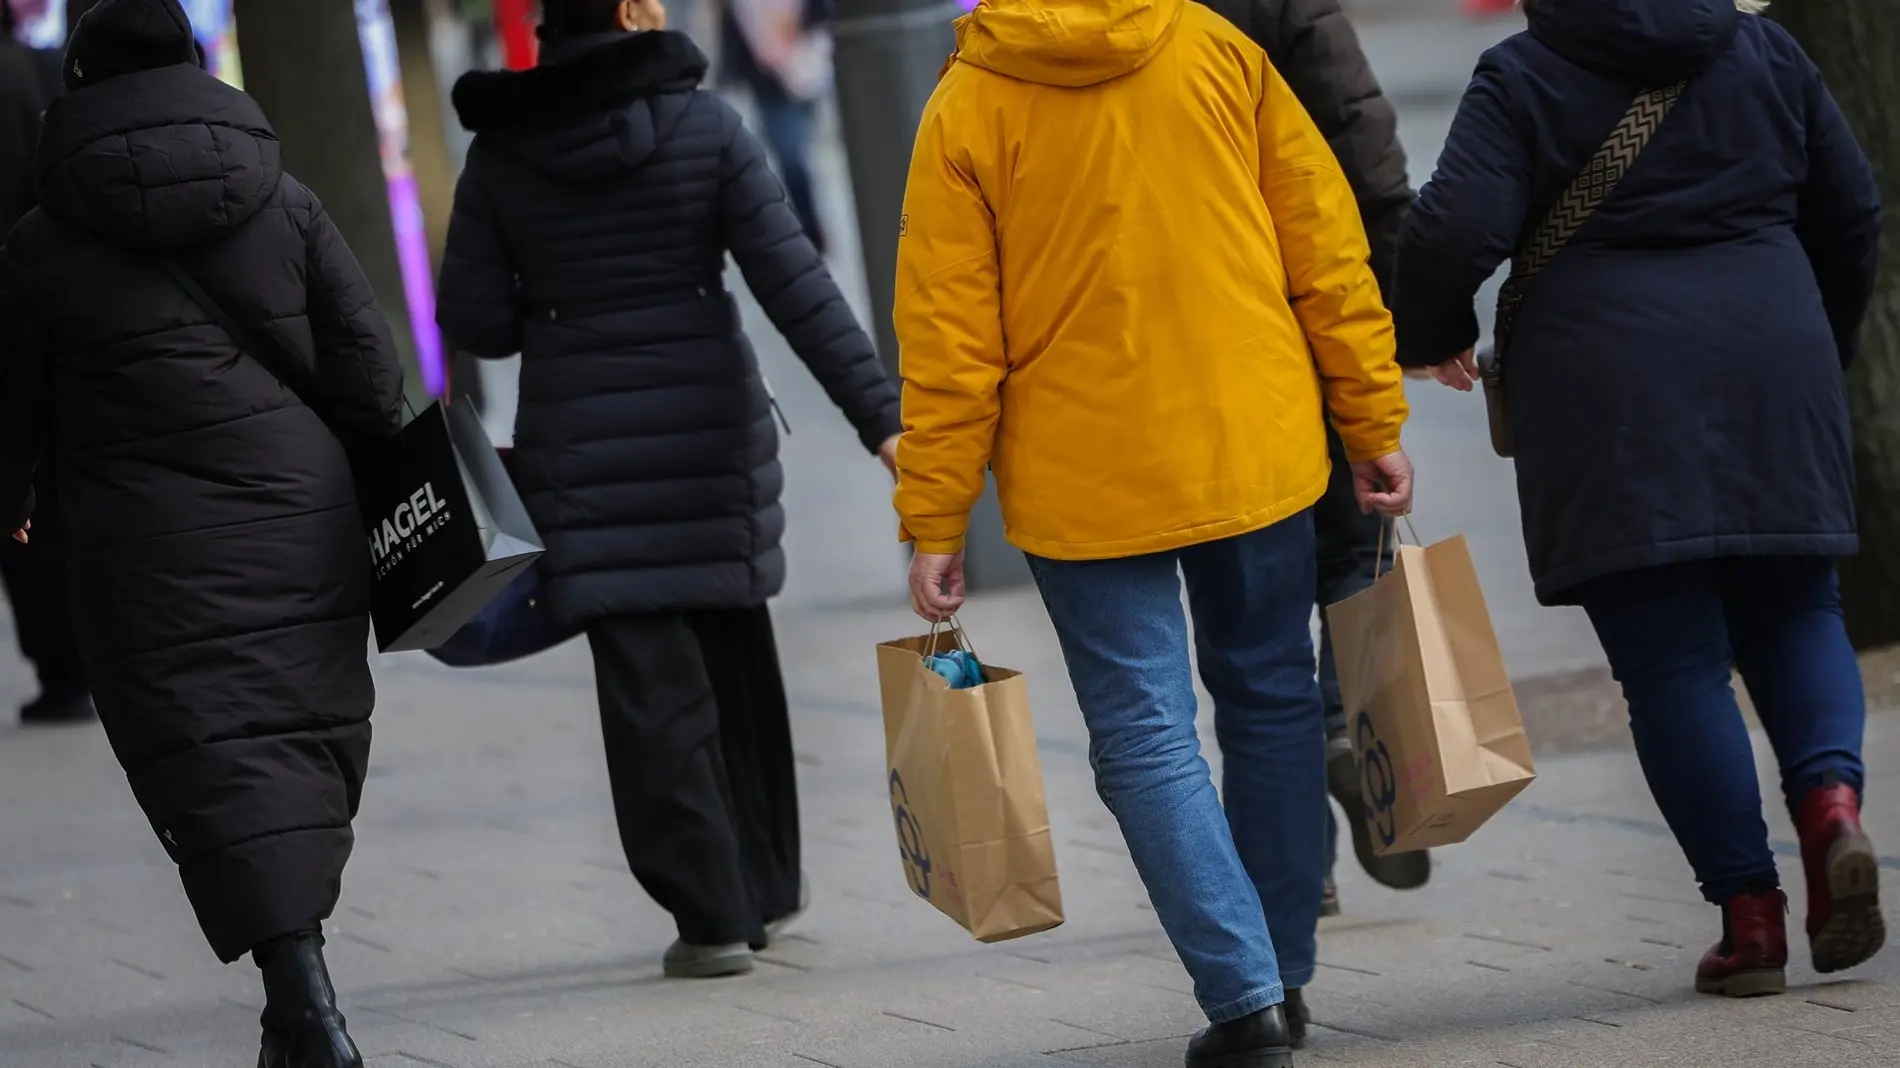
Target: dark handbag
<point>1579,201</point>
<point>445,526</point>
<point>518,623</point>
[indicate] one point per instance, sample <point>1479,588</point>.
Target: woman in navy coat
<point>1675,381</point>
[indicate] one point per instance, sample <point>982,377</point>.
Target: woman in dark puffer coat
<point>591,228</point>
<point>1684,459</point>
<point>216,561</point>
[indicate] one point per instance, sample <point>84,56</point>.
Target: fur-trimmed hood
<point>597,105</point>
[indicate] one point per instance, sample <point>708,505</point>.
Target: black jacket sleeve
<point>1314,47</point>
<point>1839,217</point>
<point>25,397</point>
<point>358,385</point>
<point>478,304</point>
<point>789,279</point>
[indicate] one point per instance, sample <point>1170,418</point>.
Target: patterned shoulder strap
<point>1586,192</point>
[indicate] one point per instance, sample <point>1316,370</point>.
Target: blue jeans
<point>1671,634</point>
<point>788,125</point>
<point>1208,872</point>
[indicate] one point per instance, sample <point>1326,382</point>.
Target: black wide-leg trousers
<point>699,754</point>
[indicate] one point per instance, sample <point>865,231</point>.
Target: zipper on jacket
<point>772,398</point>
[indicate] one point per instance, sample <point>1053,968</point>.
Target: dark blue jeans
<point>1210,873</point>
<point>788,124</point>
<point>1672,634</point>
<point>1346,548</point>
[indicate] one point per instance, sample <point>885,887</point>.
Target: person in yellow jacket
<point>1133,281</point>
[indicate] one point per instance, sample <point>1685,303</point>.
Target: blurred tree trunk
<point>303,63</point>
<point>1855,43</point>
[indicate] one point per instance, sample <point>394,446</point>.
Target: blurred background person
<point>21,17</point>
<point>34,571</point>
<point>1676,388</point>
<point>1483,9</point>
<point>1313,46</point>
<point>1148,371</point>
<point>590,233</point>
<point>780,51</point>
<point>216,564</point>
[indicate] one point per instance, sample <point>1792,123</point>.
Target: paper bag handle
<point>962,636</point>
<point>1379,566</point>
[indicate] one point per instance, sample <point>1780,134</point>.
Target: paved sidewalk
<point>488,919</point>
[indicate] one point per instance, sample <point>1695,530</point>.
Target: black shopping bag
<point>447,530</point>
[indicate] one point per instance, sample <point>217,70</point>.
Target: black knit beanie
<point>124,36</point>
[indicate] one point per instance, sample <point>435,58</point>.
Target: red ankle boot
<point>1752,958</point>
<point>1845,927</point>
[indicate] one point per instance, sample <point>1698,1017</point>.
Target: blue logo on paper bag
<point>1378,781</point>
<point>910,839</point>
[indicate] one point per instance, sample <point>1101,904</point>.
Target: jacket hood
<point>1066,42</point>
<point>1655,41</point>
<point>158,160</point>
<point>596,107</point>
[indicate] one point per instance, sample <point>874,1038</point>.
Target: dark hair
<point>9,22</point>
<point>567,18</point>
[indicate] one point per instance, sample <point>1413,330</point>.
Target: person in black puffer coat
<point>33,573</point>
<point>217,567</point>
<point>590,232</point>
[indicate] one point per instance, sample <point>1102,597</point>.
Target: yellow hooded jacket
<point>1128,270</point>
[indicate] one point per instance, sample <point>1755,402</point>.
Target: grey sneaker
<point>685,961</point>
<point>777,928</point>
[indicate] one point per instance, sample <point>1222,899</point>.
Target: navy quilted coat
<point>1675,376</point>
<point>590,233</point>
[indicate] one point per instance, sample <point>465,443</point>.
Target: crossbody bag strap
<point>267,354</point>
<point>1586,192</point>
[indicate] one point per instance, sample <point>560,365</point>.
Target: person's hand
<point>1460,372</point>
<point>1384,485</point>
<point>936,585</point>
<point>20,535</point>
<point>887,453</point>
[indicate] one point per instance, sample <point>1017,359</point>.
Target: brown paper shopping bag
<point>1435,726</point>
<point>966,793</point>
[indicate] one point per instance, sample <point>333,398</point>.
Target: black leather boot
<point>1257,1041</point>
<point>1296,1017</point>
<point>302,1027</point>
<point>1400,871</point>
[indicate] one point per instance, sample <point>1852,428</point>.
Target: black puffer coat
<point>590,233</point>
<point>218,570</point>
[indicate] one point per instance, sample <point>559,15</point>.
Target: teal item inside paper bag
<point>958,667</point>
